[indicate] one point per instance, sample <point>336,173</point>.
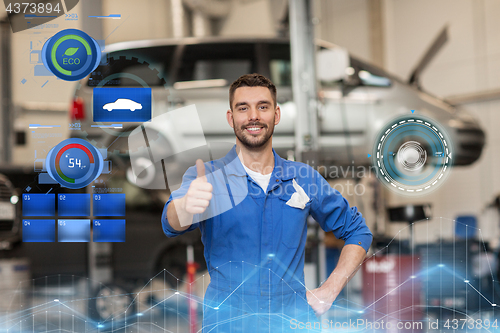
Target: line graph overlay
<point>47,305</point>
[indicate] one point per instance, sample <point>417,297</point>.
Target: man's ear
<point>277,115</point>
<point>229,117</point>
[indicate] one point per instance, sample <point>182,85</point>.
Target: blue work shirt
<point>254,242</point>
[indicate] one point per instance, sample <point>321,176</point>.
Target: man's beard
<point>248,140</point>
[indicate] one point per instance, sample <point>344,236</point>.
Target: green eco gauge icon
<point>71,54</point>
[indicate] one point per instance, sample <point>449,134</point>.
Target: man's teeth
<point>253,128</point>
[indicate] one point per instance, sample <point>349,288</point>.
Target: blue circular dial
<point>74,163</point>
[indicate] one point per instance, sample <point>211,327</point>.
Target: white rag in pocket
<point>299,199</point>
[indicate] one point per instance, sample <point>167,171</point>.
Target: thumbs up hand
<point>199,193</point>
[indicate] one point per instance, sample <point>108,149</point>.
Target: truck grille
<point>5,192</point>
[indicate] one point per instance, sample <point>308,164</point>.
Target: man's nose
<point>254,114</point>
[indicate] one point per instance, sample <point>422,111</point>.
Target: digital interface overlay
<point>80,197</point>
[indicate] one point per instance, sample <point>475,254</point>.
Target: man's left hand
<point>321,299</point>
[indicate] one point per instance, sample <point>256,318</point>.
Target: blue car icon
<point>123,104</point>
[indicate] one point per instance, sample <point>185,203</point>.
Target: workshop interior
<point>106,103</point>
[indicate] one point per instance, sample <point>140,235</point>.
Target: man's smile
<point>254,128</point>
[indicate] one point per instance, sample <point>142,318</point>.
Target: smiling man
<point>255,250</point>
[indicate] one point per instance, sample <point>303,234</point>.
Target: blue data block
<point>122,104</point>
<point>73,204</point>
<point>73,230</point>
<point>109,230</point>
<point>39,230</point>
<point>109,204</point>
<point>37,204</point>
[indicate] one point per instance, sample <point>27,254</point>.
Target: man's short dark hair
<point>251,80</point>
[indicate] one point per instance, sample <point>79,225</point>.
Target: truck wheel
<point>112,305</point>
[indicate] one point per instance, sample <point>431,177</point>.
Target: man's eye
<point>242,109</point>
<point>263,107</point>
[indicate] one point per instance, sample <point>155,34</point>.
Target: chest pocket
<point>293,220</point>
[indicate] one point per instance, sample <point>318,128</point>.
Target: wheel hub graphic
<point>412,155</point>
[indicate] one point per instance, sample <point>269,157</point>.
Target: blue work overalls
<point>254,242</point>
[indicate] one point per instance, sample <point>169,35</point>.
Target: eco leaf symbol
<point>70,51</point>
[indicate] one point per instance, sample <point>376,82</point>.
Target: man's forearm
<point>350,261</point>
<point>321,298</point>
<point>177,216</point>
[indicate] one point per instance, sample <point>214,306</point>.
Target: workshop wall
<point>145,19</point>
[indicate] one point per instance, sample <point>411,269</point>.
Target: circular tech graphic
<point>74,163</point>
<point>71,54</point>
<point>412,155</point>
